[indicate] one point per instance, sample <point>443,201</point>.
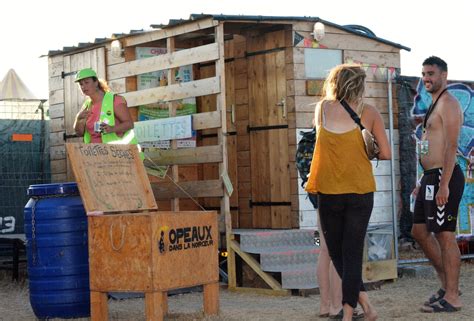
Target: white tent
<point>16,100</point>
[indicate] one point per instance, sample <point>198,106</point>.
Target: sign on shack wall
<point>160,109</point>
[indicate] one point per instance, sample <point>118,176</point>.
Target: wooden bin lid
<point>111,178</point>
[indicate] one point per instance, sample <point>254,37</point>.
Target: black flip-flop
<point>436,297</point>
<point>440,306</point>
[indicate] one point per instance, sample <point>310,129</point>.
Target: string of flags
<point>375,69</point>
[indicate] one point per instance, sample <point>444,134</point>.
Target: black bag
<point>371,147</point>
<point>304,156</point>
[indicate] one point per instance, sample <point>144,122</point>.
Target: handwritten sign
<point>110,177</point>
<point>164,129</point>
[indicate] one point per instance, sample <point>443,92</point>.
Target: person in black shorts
<point>438,218</point>
<point>440,191</point>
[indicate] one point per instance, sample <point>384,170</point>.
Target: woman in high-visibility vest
<point>104,116</point>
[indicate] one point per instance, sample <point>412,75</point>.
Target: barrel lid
<point>53,189</point>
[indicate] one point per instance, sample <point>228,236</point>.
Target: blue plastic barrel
<point>57,251</point>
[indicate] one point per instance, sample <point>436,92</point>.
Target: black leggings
<point>344,221</point>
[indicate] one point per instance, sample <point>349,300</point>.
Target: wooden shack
<point>253,80</point>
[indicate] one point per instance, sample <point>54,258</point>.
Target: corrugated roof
<point>355,29</point>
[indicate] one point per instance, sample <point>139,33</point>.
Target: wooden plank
<point>279,155</point>
<point>230,96</point>
<point>186,189</point>
<point>57,152</point>
<point>120,252</point>
<point>56,111</point>
<point>222,140</point>
<point>55,66</point>
<point>112,60</point>
<point>348,41</point>
<point>56,124</point>
<point>194,88</point>
<point>376,89</point>
<point>58,177</point>
<point>110,177</point>
<point>55,83</point>
<point>379,270</point>
<point>306,103</point>
<point>56,139</point>
<point>274,284</point>
<point>232,169</point>
<point>380,59</point>
<point>299,87</point>
<point>58,166</point>
<point>189,249</point>
<point>56,97</point>
<point>70,99</point>
<point>155,35</point>
<point>198,155</point>
<point>118,86</point>
<point>206,120</point>
<point>166,61</point>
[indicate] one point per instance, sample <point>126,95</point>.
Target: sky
<point>31,28</point>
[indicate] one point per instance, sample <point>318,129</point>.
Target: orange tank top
<point>340,164</point>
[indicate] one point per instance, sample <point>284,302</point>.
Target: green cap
<point>85,73</point>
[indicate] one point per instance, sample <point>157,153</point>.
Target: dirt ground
<point>398,300</point>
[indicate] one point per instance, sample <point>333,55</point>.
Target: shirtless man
<point>440,190</point>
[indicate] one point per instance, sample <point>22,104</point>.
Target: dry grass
<point>399,300</point>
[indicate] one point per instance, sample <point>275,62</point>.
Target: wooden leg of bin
<point>211,298</point>
<point>156,305</point>
<point>99,308</point>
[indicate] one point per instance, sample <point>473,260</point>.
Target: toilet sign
<point>164,129</point>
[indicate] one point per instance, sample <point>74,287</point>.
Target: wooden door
<point>73,98</point>
<point>268,130</point>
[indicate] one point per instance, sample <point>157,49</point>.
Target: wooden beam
<point>170,60</point>
<point>134,40</point>
<point>202,87</point>
<point>169,190</point>
<point>206,120</point>
<point>274,284</point>
<point>184,156</point>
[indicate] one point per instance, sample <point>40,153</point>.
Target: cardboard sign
<point>110,177</point>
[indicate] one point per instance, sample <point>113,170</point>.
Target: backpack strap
<point>352,113</point>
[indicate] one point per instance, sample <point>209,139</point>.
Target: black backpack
<point>304,155</point>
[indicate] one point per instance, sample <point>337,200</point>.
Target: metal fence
<point>24,161</point>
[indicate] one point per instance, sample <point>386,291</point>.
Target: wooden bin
<point>140,249</point>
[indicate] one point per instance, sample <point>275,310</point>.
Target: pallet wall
<point>354,49</point>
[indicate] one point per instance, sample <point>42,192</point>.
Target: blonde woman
<point>341,175</point>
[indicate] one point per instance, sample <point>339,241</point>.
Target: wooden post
<point>156,305</point>
<point>170,47</point>
<point>131,82</point>
<point>99,308</point>
<point>222,139</point>
<point>211,298</point>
